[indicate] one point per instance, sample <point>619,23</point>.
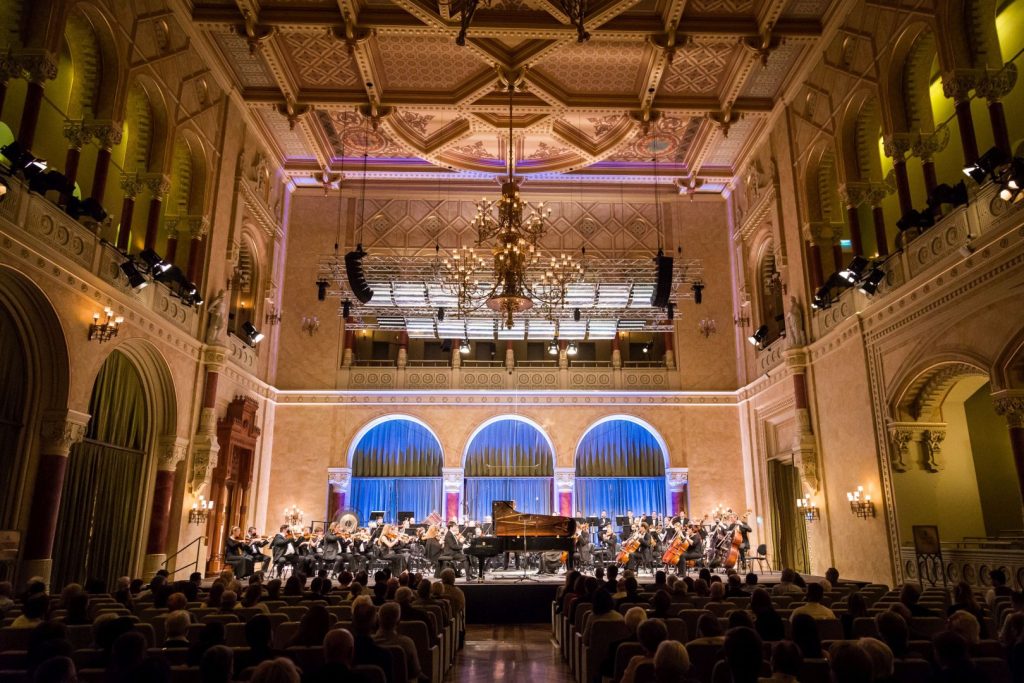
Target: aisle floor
<point>511,653</point>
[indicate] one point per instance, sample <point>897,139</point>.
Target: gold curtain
<point>104,482</point>
<point>789,530</point>
<point>13,393</point>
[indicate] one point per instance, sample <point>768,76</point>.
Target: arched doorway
<point>101,509</point>
<point>620,466</point>
<point>396,467</point>
<point>950,446</point>
<point>509,458</point>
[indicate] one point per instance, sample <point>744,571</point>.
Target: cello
<point>628,548</point>
<point>679,545</point>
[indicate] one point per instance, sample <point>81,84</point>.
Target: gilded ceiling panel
<point>351,135</point>
<point>698,68</point>
<point>424,62</point>
<point>719,7</point>
<point>320,60</point>
<point>766,82</point>
<point>597,67</point>
<point>250,70</point>
<point>669,140</point>
<point>292,142</point>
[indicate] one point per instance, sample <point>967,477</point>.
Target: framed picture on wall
<point>926,539</point>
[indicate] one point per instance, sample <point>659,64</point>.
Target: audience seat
<point>79,635</point>
<point>234,635</point>
<point>690,617</point>
<point>399,665</point>
<point>602,635</point>
<point>371,674</point>
<point>624,653</point>
<point>677,630</point>
<point>912,671</point>
<point>995,669</point>
<point>927,627</point>
<point>14,638</point>
<point>309,659</point>
<point>865,627</point>
<point>284,633</point>
<point>184,674</point>
<point>430,657</point>
<point>815,671</point>
<point>702,659</point>
<point>830,629</point>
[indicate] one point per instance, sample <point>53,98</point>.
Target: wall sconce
<point>707,327</point>
<point>200,511</point>
<point>808,509</point>
<point>311,325</point>
<point>861,503</point>
<point>293,516</point>
<point>741,320</point>
<point>106,328</point>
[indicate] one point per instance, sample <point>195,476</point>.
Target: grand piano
<point>516,532</point>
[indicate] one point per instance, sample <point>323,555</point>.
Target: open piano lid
<point>508,522</point>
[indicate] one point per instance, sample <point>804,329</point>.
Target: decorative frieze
<point>60,430</point>
<point>565,479</point>
<point>452,479</point>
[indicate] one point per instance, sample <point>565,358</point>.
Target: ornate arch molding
<point>145,91</point>
<point>904,88</point>
<point>198,168</point>
<point>111,77</point>
<point>1008,370</point>
<point>158,384</point>
<point>922,397</point>
<point>860,104</point>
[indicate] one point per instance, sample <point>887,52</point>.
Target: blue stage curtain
<point>509,448</point>
<point>531,494</point>
<point>397,448</point>
<point>620,448</point>
<point>419,495</point>
<point>616,495</point>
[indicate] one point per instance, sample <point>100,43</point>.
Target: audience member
<point>999,588</point>
<point>953,657</point>
<point>603,610</point>
<point>388,617</point>
<point>56,670</point>
<point>813,607</point>
<point>33,612</point>
<point>740,618</point>
<point>6,596</point>
<point>708,631</point>
<point>364,622</point>
<point>892,628</point>
<point>258,636</point>
<point>280,670</point>
<point>786,662</point>
<point>743,654</point>
<point>965,624</point>
<point>671,663</point>
<point>909,595</point>
<point>882,663</point>
<point>217,664</point>
<point>787,584</point>
<point>211,634</point>
<point>964,601</point>
<point>856,608</point>
<point>126,657</point>
<point>651,634</point>
<point>767,621</point>
<point>805,635</point>
<point>176,630</point>
<point>312,627</point>
<point>850,663</point>
<point>339,653</point>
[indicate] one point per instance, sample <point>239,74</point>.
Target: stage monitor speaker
<point>663,280</point>
<point>356,277</point>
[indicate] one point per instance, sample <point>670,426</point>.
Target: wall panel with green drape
<point>789,531</point>
<point>104,486</point>
<point>13,397</point>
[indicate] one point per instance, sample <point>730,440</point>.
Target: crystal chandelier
<point>520,275</point>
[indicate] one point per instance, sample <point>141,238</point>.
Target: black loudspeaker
<point>356,278</point>
<point>663,283</point>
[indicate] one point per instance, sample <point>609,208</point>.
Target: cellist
<point>734,523</point>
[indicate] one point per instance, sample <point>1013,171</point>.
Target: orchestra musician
<point>253,549</point>
<point>235,555</point>
<point>391,546</point>
<point>734,523</point>
<point>452,550</point>
<point>609,546</point>
<point>284,549</point>
<point>695,552</point>
<point>584,547</point>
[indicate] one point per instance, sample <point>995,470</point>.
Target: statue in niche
<point>795,323</point>
<point>215,318</point>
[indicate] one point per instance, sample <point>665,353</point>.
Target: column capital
<point>996,84</point>
<point>896,145</point>
<point>77,134</point>
<point>60,430</point>
<point>107,133</point>
<point>854,194</point>
<point>339,477</point>
<point>900,436</point>
<point>565,479</point>
<point>198,227</point>
<point>878,192</point>
<point>819,233</point>
<point>932,439</point>
<point>958,83</point>
<point>452,479</point>
<point>131,185</point>
<point>215,357</point>
<point>39,65</point>
<point>9,68</point>
<point>677,478</point>
<point>1012,408</point>
<point>170,451</point>
<point>159,185</point>
<point>927,145</point>
<point>172,225</point>
<point>797,358</point>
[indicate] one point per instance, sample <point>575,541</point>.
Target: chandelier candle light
<point>293,516</point>
<point>200,511</point>
<point>808,508</point>
<point>105,328</point>
<point>861,503</point>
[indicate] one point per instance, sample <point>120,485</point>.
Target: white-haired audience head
<point>671,662</point>
<point>339,647</point>
<point>280,670</point>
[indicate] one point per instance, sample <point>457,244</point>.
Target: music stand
<point>378,516</point>
<point>621,521</point>
<point>404,515</point>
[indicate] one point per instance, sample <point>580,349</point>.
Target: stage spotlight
<point>22,160</point>
<point>41,183</point>
<point>553,348</point>
<point>853,271</point>
<point>321,290</point>
<point>464,347</point>
<point>572,349</point>
<point>135,278</point>
<point>948,194</point>
<point>4,189</point>
<point>440,314</point>
<point>646,348</point>
<point>987,164</point>
<point>870,283</point>
<point>1015,174</point>
<point>698,292</point>
<point>156,264</point>
<point>671,311</point>
<point>822,298</point>
<point>77,208</point>
<point>576,315</point>
<point>253,335</point>
<point>759,335</point>
<point>915,219</point>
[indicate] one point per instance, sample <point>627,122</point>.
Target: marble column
<point>171,250</point>
<point>957,85</point>
<point>994,86</point>
<point>853,195</point>
<point>107,135</point>
<point>159,186</point>
<point>677,479</point>
<point>348,355</point>
<point>925,148</point>
<point>565,485</point>
<point>876,195</point>
<point>339,480</point>
<point>804,446</point>
<point>453,479</point>
<point>616,351</point>
<point>403,349</point>
<point>77,136</point>
<point>1011,407</point>
<point>171,450</point>
<point>510,356</point>
<point>896,147</point>
<point>198,227</point>
<point>131,186</point>
<point>59,431</point>
<point>41,67</point>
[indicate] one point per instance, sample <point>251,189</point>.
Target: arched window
<point>620,466</point>
<point>769,293</point>
<point>509,459</point>
<point>103,484</point>
<point>244,288</point>
<point>396,467</point>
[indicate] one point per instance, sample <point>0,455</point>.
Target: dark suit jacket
<point>369,652</point>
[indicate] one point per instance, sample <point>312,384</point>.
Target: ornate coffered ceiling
<point>328,81</point>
